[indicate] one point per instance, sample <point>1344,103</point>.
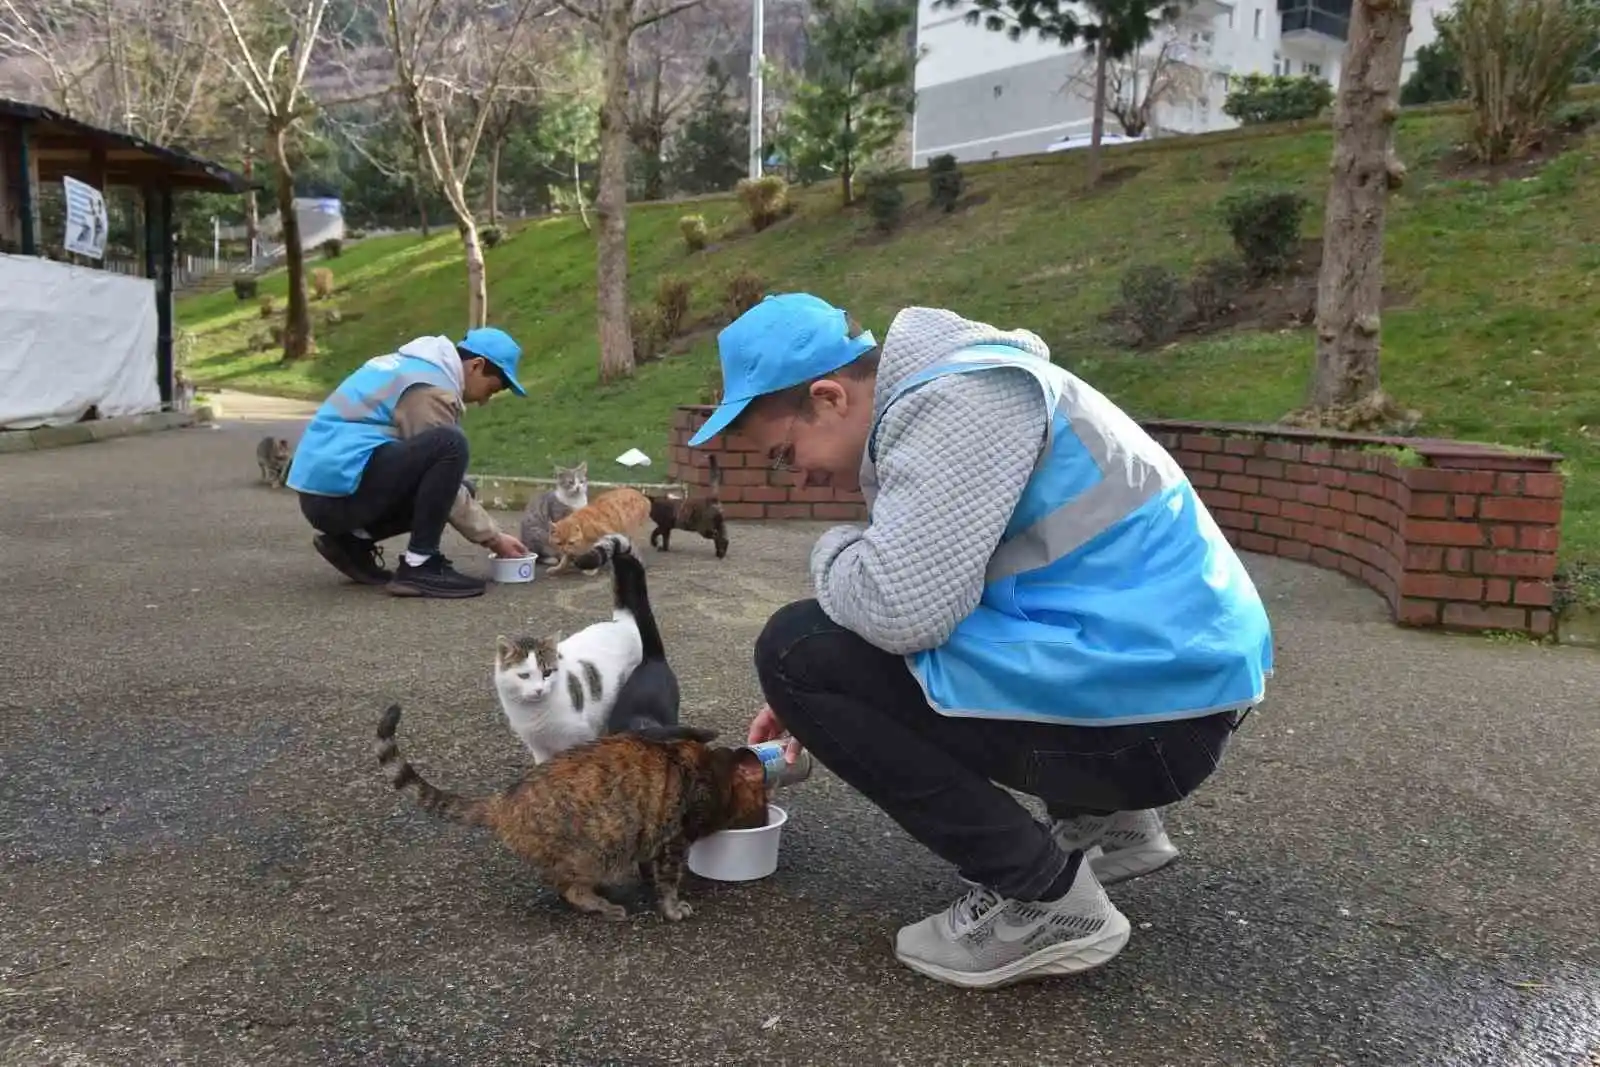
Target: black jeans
<point>408,485</point>
<point>863,716</point>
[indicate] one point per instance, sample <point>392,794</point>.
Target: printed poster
<point>87,223</point>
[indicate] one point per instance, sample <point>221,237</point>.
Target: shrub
<point>1265,225</point>
<point>1518,60</point>
<point>1215,285</point>
<point>491,236</point>
<point>332,248</point>
<point>1258,98</point>
<point>693,228</point>
<point>945,182</point>
<point>644,323</point>
<point>886,202</point>
<point>672,306</point>
<point>744,291</point>
<point>355,234</point>
<point>266,307</point>
<point>322,283</point>
<point>765,200</point>
<point>1152,300</point>
<point>244,289</point>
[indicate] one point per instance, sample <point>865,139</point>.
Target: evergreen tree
<point>709,153</point>
<point>854,100</point>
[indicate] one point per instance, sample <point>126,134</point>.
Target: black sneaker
<point>434,577</point>
<point>356,558</point>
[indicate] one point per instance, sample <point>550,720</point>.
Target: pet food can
<point>778,772</point>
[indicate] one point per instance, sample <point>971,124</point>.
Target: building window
<point>1313,69</point>
<point>1258,24</point>
<point>1230,18</point>
<point>998,90</point>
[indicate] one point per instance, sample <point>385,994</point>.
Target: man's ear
<point>829,395</point>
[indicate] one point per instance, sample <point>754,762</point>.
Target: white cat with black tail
<point>561,692</point>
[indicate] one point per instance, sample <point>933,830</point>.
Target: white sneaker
<point>1120,846</point>
<point>984,941</point>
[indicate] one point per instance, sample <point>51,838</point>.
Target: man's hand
<point>506,547</point>
<point>767,727</point>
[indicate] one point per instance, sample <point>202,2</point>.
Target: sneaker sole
<point>405,589</point>
<point>350,573</point>
<point>1068,957</point>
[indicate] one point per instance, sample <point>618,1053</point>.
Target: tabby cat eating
<point>595,815</point>
<point>570,494</point>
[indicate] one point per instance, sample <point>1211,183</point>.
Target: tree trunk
<point>252,210</point>
<point>1350,288</point>
<point>846,161</point>
<point>611,201</point>
<point>297,317</point>
<point>1097,130</point>
<point>420,164</point>
<point>577,191</point>
<point>494,181</point>
<point>477,272</point>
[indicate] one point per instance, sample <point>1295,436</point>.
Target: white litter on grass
<point>634,458</point>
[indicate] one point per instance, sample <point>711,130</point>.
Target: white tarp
<point>72,337</point>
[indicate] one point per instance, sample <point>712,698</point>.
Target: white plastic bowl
<point>511,569</point>
<point>740,855</point>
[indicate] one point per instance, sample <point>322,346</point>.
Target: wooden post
<point>25,198</point>
<point>158,265</point>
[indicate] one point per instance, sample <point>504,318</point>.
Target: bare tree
<point>451,61</point>
<point>668,68</point>
<point>270,54</point>
<point>1365,170</point>
<point>148,67</point>
<point>1144,82</point>
<point>617,21</point>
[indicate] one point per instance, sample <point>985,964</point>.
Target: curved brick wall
<point>1452,535</point>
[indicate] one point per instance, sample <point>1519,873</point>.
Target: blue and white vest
<point>355,421</point>
<point>1113,597</point>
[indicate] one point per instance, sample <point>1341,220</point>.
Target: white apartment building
<point>981,95</point>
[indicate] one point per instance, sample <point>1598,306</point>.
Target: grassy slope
<point>1497,343</point>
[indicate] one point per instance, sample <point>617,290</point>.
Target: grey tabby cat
<point>570,493</point>
<point>273,457</point>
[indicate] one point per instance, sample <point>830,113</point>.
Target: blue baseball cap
<point>498,348</point>
<point>784,341</point>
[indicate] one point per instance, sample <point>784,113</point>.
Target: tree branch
<point>664,13</point>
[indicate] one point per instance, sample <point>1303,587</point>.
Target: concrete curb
<point>82,433</point>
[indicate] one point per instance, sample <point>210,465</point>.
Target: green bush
<point>672,305</point>
<point>693,228</point>
<point>491,236</point>
<point>886,202</point>
<point>1257,98</point>
<point>1152,301</point>
<point>244,288</point>
<point>332,248</point>
<point>945,182</point>
<point>1265,226</point>
<point>765,200</point>
<point>1216,284</point>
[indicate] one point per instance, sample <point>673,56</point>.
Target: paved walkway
<point>201,864</point>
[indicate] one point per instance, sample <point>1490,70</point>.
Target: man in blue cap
<point>1038,601</point>
<point>385,455</point>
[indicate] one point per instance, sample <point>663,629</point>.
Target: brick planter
<point>1453,535</point>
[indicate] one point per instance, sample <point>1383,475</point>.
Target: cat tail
<point>716,475</point>
<point>474,811</point>
<point>657,732</point>
<point>627,579</point>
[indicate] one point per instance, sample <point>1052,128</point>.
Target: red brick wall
<point>1462,536</point>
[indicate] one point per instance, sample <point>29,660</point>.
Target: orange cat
<point>623,511</point>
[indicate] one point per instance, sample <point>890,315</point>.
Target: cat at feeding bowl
<point>571,492</point>
<point>598,815</point>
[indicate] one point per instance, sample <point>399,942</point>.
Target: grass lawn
<point>1494,339</point>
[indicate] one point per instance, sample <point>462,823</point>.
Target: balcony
<point>1206,10</point>
<point>1315,22</point>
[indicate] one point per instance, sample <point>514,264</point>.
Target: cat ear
<point>582,468</point>
<point>748,767</point>
<point>503,648</point>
